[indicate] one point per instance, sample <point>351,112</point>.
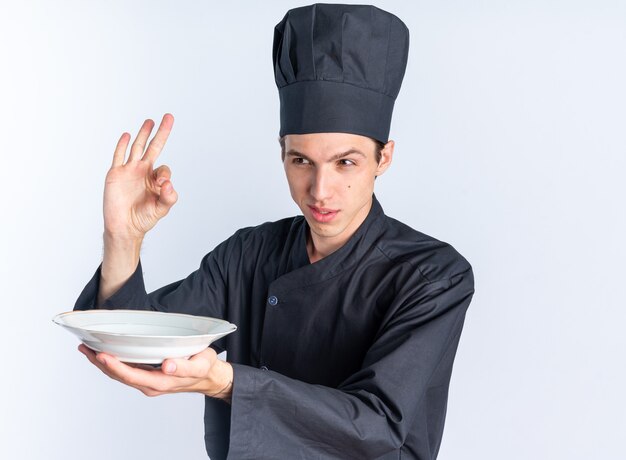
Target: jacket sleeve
<point>202,293</point>
<point>403,381</point>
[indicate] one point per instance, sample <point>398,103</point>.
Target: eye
<point>300,161</point>
<point>346,162</point>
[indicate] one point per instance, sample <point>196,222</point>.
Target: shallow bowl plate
<point>148,337</point>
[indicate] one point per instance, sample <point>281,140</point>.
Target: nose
<point>321,185</point>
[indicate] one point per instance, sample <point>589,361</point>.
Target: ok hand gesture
<point>136,196</point>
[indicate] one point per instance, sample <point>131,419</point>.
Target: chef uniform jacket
<point>349,357</point>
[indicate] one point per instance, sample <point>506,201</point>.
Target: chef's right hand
<point>136,196</point>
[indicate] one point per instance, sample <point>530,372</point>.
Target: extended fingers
<point>158,141</point>
<point>189,375</point>
<point>92,357</point>
<point>120,150</point>
<point>150,382</point>
<point>133,376</point>
<point>136,151</point>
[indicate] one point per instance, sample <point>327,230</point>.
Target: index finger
<point>160,138</point>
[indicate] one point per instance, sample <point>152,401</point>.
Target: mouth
<point>323,215</point>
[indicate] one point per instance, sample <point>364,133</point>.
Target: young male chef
<point>348,320</point>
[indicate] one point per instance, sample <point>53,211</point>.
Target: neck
<point>317,250</point>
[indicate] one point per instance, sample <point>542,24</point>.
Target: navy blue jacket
<point>348,357</point>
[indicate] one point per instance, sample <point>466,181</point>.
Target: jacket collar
<point>303,272</point>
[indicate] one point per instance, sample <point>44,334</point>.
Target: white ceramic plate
<point>138,336</point>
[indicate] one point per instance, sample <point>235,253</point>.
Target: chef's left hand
<point>202,373</point>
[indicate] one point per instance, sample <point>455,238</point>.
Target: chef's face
<point>331,179</point>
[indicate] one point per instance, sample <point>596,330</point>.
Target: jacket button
<point>264,368</point>
<point>273,300</point>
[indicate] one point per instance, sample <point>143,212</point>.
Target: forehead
<point>326,144</point>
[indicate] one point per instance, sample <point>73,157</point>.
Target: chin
<point>324,230</point>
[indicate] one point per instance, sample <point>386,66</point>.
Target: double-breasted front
<point>348,357</point>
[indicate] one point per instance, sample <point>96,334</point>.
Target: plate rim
<point>56,320</point>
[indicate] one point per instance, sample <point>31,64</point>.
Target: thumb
<point>185,368</point>
<point>167,198</point>
<point>197,366</point>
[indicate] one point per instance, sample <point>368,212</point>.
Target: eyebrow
<point>295,153</point>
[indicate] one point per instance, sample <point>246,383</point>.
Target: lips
<point>323,215</point>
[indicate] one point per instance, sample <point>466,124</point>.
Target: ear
<point>386,155</point>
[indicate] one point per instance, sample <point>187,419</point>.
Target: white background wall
<point>510,146</point>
